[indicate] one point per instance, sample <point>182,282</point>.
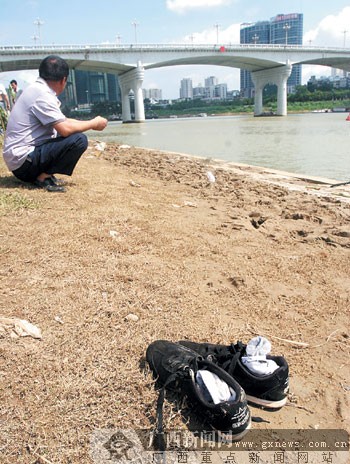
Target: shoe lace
<point>228,357</point>
<point>183,369</point>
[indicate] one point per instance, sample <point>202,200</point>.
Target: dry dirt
<point>144,233</point>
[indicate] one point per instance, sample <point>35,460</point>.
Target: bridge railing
<point>164,47</point>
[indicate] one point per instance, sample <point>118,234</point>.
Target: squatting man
<point>39,140</point>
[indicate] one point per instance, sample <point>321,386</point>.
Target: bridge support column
<point>132,80</point>
<point>277,76</point>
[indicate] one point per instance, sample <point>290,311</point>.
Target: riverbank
<point>143,246</point>
<point>286,144</point>
<point>198,107</point>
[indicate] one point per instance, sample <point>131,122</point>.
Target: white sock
<point>255,360</point>
<point>214,389</point>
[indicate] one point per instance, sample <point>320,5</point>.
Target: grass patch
<point>15,202</point>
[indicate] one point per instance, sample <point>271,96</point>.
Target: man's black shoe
<point>176,368</point>
<point>269,391</point>
<point>49,185</point>
<point>57,181</point>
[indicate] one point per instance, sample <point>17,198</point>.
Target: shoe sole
<point>224,436</point>
<point>55,190</point>
<point>266,403</point>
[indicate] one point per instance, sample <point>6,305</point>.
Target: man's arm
<point>6,100</point>
<point>72,126</point>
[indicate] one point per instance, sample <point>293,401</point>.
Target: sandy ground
<point>146,234</point>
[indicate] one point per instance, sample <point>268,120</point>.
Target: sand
<point>143,247</point>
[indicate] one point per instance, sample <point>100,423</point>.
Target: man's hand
<point>71,126</point>
<point>99,123</point>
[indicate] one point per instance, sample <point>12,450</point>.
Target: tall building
<point>282,29</point>
<point>94,87</point>
<point>186,88</point>
<point>212,90</point>
<point>220,91</point>
<point>209,84</point>
<point>199,91</point>
<point>87,87</point>
<point>210,81</point>
<point>152,94</point>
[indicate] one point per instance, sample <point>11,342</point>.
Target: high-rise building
<point>87,87</point>
<point>220,91</point>
<point>199,91</point>
<point>209,84</point>
<point>210,81</point>
<point>152,94</point>
<point>186,88</point>
<point>212,90</point>
<point>282,29</point>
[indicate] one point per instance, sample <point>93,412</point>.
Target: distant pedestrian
<point>40,141</point>
<point>4,100</point>
<point>16,92</point>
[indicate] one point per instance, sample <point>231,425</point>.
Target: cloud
<point>332,31</point>
<point>214,35</point>
<point>181,6</point>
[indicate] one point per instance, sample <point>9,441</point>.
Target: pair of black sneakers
<point>176,367</point>
<point>50,184</point>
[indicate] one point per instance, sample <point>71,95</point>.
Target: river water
<point>314,144</point>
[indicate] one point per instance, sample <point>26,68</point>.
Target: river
<point>312,144</point>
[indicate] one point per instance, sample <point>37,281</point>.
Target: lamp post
<point>286,27</point>
<point>344,32</point>
<point>87,97</point>
<point>118,39</point>
<point>39,23</point>
<point>135,24</point>
<point>217,26</point>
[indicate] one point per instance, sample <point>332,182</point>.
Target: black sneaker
<point>175,367</point>
<point>49,185</point>
<point>57,181</point>
<point>269,391</point>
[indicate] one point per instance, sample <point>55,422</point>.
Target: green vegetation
<point>15,202</point>
<point>183,108</point>
<point>110,110</point>
<point>305,99</point>
<point>3,120</point>
<point>12,201</point>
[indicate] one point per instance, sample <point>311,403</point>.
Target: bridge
<point>268,64</point>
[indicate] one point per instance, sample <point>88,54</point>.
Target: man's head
<point>53,69</point>
<point>13,84</point>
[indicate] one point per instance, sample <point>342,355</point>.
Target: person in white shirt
<point>4,100</point>
<point>39,140</point>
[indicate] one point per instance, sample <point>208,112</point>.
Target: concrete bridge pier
<point>132,80</point>
<point>277,76</point>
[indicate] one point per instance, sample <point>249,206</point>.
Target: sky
<point>81,22</point>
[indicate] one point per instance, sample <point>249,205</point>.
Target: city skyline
<point>169,21</point>
<point>212,89</point>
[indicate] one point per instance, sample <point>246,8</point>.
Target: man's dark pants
<point>58,156</point>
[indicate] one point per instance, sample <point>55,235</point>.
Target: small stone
<point>134,184</point>
<point>58,319</point>
<point>132,317</point>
